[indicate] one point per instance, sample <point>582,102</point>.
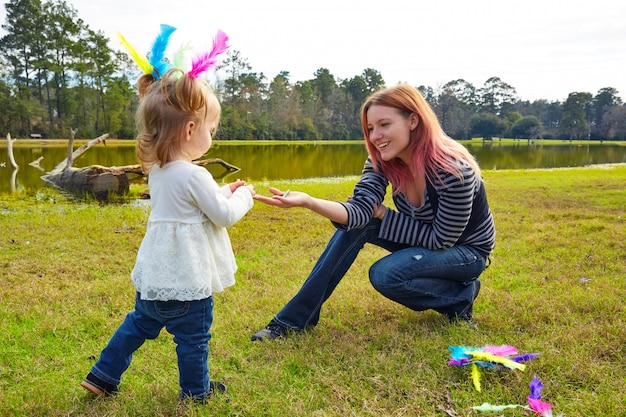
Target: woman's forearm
<point>332,210</point>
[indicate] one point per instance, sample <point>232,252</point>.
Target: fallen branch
<point>71,156</point>
<point>98,181</point>
<point>37,163</point>
<point>10,151</point>
<point>136,169</point>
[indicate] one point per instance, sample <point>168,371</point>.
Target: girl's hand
<point>284,199</point>
<point>234,185</point>
<point>379,211</point>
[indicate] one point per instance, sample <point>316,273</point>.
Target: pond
<point>279,160</point>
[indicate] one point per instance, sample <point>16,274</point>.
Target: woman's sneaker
<point>98,387</point>
<point>465,312</point>
<point>272,331</point>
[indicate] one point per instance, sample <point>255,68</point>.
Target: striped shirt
<point>454,212</point>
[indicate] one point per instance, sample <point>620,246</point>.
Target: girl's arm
<point>222,210</point>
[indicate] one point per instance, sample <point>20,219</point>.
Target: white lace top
<point>186,252</point>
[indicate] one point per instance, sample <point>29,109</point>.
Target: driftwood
<point>10,151</point>
<point>37,163</point>
<point>98,181</point>
<point>14,164</point>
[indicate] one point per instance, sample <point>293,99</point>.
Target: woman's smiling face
<point>390,131</point>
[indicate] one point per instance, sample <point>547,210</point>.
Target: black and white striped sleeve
<point>370,190</point>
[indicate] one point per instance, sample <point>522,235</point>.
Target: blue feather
<point>157,54</point>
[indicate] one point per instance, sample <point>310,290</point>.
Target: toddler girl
<point>185,255</point>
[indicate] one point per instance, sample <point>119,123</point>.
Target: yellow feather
<point>486,356</point>
<point>476,377</point>
<point>141,61</point>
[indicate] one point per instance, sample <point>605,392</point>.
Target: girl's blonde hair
<point>429,146</point>
<point>166,106</point>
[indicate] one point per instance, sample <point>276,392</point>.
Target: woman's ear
<point>414,121</point>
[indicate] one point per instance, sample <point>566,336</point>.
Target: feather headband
<point>156,63</point>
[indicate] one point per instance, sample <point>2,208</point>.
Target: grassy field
<point>557,286</point>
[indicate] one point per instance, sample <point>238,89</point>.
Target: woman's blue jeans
<point>189,322</point>
<point>418,278</point>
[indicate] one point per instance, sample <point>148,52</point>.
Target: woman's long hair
<point>430,148</point>
<point>166,105</point>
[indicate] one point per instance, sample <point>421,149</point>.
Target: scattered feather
<point>488,357</point>
<point>476,377</point>
<point>487,408</point>
<point>535,388</point>
<point>539,406</point>
<point>525,357</point>
<point>502,350</point>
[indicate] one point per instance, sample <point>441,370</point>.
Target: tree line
<point>58,75</point>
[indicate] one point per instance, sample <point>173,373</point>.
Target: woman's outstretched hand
<point>284,199</point>
<point>332,210</point>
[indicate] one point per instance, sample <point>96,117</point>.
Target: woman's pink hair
<point>429,146</point>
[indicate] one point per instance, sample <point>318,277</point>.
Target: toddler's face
<point>201,139</point>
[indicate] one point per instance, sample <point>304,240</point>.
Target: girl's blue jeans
<point>418,278</point>
<point>189,322</point>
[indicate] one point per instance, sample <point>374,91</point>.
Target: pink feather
<point>538,406</point>
<point>208,60</point>
<point>502,350</point>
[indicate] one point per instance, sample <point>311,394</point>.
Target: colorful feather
<point>140,60</point>
<point>458,353</point>
<point>489,408</point>
<point>535,404</point>
<point>157,54</point>
<point>502,350</point>
<point>208,60</point>
<point>535,388</point>
<point>524,357</point>
<point>476,377</point>
<point>488,357</point>
<point>539,406</point>
<point>179,56</point>
<point>459,362</point>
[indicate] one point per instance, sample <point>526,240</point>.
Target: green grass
<point>557,286</point>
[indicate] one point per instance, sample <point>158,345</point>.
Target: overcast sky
<point>543,48</point>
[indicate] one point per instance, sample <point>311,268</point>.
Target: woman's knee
<point>379,277</point>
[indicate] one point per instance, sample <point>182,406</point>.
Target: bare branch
<point>10,151</point>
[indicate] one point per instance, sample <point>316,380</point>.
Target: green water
<point>292,160</point>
